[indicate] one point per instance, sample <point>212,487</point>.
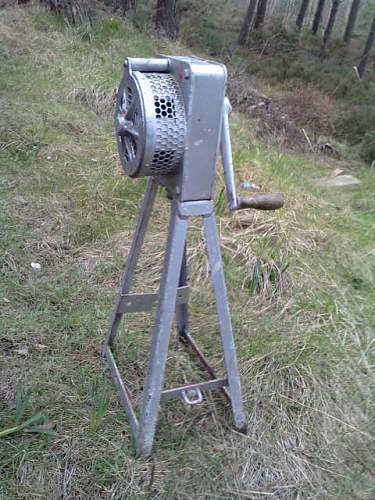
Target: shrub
<point>367,149</point>
<point>310,108</point>
<point>354,123</point>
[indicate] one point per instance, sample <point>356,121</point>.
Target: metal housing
<point>168,120</point>
<point>150,123</point>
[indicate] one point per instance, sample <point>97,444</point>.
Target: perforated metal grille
<point>129,95</point>
<point>170,122</point>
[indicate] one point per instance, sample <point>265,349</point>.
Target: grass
<point>301,286</point>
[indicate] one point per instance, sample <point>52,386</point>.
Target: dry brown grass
<point>95,98</point>
<point>295,425</point>
<point>310,108</point>
<point>285,117</point>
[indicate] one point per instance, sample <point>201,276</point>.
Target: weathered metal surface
<point>170,116</point>
<point>189,341</point>
<point>123,394</point>
<point>225,325</point>
<point>208,385</point>
<point>226,156</point>
<point>162,330</point>
<point>143,302</point>
<point>135,250</point>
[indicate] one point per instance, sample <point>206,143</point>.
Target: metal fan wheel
<point>150,124</point>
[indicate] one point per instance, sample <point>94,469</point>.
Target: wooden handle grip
<point>260,201</point>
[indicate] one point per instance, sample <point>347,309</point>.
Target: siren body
<point>168,120</point>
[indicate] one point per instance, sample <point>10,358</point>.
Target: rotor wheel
<point>129,126</point>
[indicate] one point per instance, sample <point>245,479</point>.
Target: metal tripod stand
<point>173,299</point>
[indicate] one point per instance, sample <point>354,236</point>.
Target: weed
<point>30,424</point>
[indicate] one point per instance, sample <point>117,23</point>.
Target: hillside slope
<point>301,285</point>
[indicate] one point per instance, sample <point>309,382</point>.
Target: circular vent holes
<point>165,107</point>
<point>129,96</point>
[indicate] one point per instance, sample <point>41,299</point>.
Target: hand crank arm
<point>260,201</point>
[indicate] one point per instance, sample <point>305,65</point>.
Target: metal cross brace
<point>172,300</point>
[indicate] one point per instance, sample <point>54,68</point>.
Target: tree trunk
<point>329,28</point>
<point>261,14</point>
<point>302,13</point>
<point>366,53</point>
<point>351,21</point>
<point>76,11</point>
<point>246,27</point>
<point>167,19</point>
<point>318,16</point>
<point>125,5</point>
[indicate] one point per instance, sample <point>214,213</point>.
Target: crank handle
<point>271,201</point>
<point>260,201</point>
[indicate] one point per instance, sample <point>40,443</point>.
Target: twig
<point>308,139</point>
<point>256,106</point>
<point>355,69</point>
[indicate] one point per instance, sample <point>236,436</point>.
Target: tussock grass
<point>300,282</point>
<point>95,98</point>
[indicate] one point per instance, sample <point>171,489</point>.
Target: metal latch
<point>192,396</point>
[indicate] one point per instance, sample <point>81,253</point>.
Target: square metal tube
<point>174,279</point>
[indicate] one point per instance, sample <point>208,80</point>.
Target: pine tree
<point>76,11</point>
<point>366,52</point>
<point>318,16</point>
<point>351,20</point>
<point>125,5</point>
<point>166,18</point>
<point>302,13</point>
<point>261,14</point>
<point>246,27</point>
<point>329,28</point>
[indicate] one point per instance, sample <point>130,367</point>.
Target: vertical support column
<point>135,249</point>
<point>182,309</point>
<point>162,331</point>
<point>225,325</point>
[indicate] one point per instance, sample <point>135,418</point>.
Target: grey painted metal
<point>162,330</point>
<point>225,325</point>
<point>182,321</point>
<point>192,396</point>
<point>123,394</point>
<point>135,250</point>
<point>130,124</point>
<point>152,65</point>
<point>143,302</point>
<point>150,123</point>
<point>202,85</point>
<point>179,148</point>
<point>195,208</point>
<point>182,314</point>
<point>226,155</point>
<point>172,299</point>
<point>209,385</point>
<point>170,116</point>
<point>187,339</point>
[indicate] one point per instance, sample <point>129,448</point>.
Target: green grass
<point>301,286</point>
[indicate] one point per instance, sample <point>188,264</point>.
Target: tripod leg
<point>225,325</point>
<point>182,309</point>
<point>162,331</point>
<point>135,250</point>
